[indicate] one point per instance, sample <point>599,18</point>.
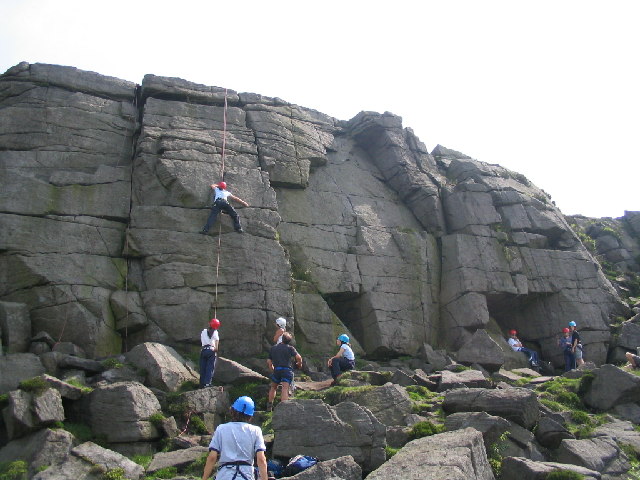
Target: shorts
<point>636,360</point>
<point>578,352</point>
<point>284,375</point>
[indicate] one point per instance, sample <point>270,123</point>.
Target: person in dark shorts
<point>279,362</point>
<point>633,361</point>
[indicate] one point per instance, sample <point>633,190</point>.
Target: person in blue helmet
<point>235,444</point>
<point>576,345</point>
<point>343,360</point>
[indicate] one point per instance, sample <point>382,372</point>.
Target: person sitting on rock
<point>343,360</point>
<point>221,197</point>
<point>633,361</point>
<point>235,444</point>
<point>279,362</point>
<point>517,346</point>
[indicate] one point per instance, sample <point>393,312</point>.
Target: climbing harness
<point>238,471</point>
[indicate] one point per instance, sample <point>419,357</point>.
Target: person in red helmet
<point>209,339</point>
<point>565,344</point>
<point>221,197</point>
<point>517,346</point>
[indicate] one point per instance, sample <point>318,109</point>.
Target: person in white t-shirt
<point>517,346</point>
<point>221,197</point>
<point>209,339</point>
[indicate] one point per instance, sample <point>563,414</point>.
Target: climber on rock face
<point>221,197</point>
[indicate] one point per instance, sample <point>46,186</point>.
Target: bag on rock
<point>298,464</point>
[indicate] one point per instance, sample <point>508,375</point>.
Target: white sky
<point>550,89</point>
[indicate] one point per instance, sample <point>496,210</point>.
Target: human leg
<point>568,360</point>
<point>234,215</point>
<point>215,209</point>
<point>207,365</point>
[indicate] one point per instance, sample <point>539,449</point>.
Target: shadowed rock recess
<point>353,226</point>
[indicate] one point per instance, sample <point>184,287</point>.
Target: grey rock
<point>28,412</point>
<point>518,468</point>
<point>121,412</point>
<point>465,378</point>
<point>325,432</point>
<point>628,411</point>
<point>457,455</point>
<point>341,468</point>
<point>490,426</point>
<point>69,348</point>
<point>16,367</point>
<point>482,349</point>
<point>550,433</point>
<point>516,404</point>
<point>47,407</point>
<point>40,449</point>
<point>600,454</point>
<point>610,387</point>
<point>177,458</point>
<point>212,399</point>
<point>78,363</point>
<point>389,403</point>
<point>228,371</point>
<point>623,432</point>
<point>165,368</point>
<point>15,327</point>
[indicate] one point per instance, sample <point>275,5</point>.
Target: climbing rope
<point>224,145</point>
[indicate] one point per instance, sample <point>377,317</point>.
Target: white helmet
<point>282,322</point>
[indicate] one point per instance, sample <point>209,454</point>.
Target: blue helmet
<point>344,338</point>
<point>244,405</point>
<point>572,323</point>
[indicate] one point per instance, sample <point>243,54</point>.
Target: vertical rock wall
<point>352,226</point>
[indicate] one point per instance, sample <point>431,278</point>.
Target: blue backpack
<point>298,464</point>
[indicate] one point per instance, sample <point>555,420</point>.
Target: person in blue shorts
<point>343,360</point>
<point>235,444</point>
<point>279,362</point>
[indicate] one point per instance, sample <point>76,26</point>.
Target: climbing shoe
<point>240,230</point>
<point>203,232</point>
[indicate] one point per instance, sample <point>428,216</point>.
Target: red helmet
<point>512,332</point>
<point>214,323</point>
<point>222,185</point>
<point>565,330</point>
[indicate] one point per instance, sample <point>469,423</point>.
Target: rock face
<point>352,226</point>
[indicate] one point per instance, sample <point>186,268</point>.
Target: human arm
<point>279,332</point>
<point>337,355</point>
<point>270,364</point>
<point>210,465</point>
<point>262,464</point>
<point>298,361</point>
<point>239,200</point>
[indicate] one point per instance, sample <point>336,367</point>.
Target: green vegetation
<point>267,424</point>
<point>4,400</point>
<point>142,460</point>
<point>197,425</point>
<point>425,429</point>
<point>390,451</point>
<point>197,467</point>
<point>76,383</point>
<point>587,241</point>
<point>298,272</point>
<point>634,460</point>
<point>157,419</point>
<point>16,470</point>
<point>114,474</point>
<point>564,475</point>
<point>35,385</point>
<point>110,363</point>
<point>334,395</point>
<point>495,453</point>
<point>79,430</point>
<point>163,473</point>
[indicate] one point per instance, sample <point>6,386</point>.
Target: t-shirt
<point>219,193</point>
<point>347,352</point>
<point>205,340</point>
<point>281,354</point>
<point>575,336</point>
<point>565,342</point>
<point>513,342</point>
<point>237,442</point>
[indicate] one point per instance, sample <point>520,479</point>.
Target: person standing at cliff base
<point>279,362</point>
<point>576,345</point>
<point>565,344</point>
<point>209,339</point>
<point>343,360</point>
<point>221,197</point>
<point>235,445</point>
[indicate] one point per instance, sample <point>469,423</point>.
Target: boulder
<point>517,468</point>
<point>389,403</point>
<point>457,455</point>
<point>342,468</point>
<point>88,459</point>
<point>211,399</point>
<point>550,433</point>
<point>165,368</point>
<point>228,371</point>
<point>624,433</point>
<point>326,432</point>
<point>601,454</point>
<point>482,349</point>
<point>611,386</point>
<point>516,404</point>
<point>121,412</point>
<point>465,378</point>
<point>16,367</point>
<point>491,426</point>
<point>27,412</point>
<point>39,449</point>
<point>177,458</point>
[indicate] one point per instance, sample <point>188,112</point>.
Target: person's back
<point>282,354</point>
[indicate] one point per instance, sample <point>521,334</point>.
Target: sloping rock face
<point>352,226</point>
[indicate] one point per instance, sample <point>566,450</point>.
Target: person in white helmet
<point>281,322</point>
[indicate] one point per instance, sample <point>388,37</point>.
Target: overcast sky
<point>550,89</point>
